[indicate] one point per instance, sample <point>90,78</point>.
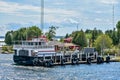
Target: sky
<point>67,15</point>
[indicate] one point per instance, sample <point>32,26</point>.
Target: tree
<point>109,33</point>
<point>115,37</point>
<point>33,31</point>
<point>95,34</point>
<point>15,35</point>
<point>80,39</point>
<point>51,33</point>
<point>8,38</point>
<point>88,31</point>
<point>103,42</point>
<point>118,30</point>
<point>67,35</point>
<point>22,34</point>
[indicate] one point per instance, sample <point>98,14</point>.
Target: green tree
<point>103,42</point>
<point>109,33</point>
<point>95,34</point>
<point>88,31</point>
<point>51,33</point>
<point>118,30</point>
<point>15,35</point>
<point>8,38</point>
<point>80,39</point>
<point>115,37</point>
<point>33,31</point>
<point>22,34</point>
<point>67,35</point>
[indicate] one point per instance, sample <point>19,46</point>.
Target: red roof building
<point>68,40</point>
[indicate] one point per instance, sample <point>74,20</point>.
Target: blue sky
<point>65,14</point>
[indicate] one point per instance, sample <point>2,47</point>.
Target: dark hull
<point>48,61</point>
<point>36,61</point>
<point>23,60</point>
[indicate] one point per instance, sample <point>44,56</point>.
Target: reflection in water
<point>9,71</point>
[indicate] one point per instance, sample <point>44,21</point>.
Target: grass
<point>7,49</point>
<point>117,58</point>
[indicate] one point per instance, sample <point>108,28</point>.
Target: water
<point>9,71</point>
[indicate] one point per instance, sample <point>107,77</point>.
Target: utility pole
<point>113,16</point>
<point>42,15</point>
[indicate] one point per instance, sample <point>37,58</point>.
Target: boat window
<point>39,43</point>
<point>31,43</point>
<point>36,43</point>
<point>23,43</point>
<point>15,52</point>
<point>28,43</point>
<point>23,52</point>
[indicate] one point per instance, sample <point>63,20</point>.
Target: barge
<point>38,52</point>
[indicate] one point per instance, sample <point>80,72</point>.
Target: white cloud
<point>59,3</point>
<point>98,19</point>
<point>51,14</point>
<point>109,1</point>
<point>98,12</point>
<point>9,7</point>
<point>70,20</point>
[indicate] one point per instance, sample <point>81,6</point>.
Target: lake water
<point>9,71</point>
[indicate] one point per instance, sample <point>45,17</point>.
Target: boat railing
<point>33,46</point>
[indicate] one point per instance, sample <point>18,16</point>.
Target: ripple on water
<point>8,71</point>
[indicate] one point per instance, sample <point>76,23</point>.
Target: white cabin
<point>34,47</point>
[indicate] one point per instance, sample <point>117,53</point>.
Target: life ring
<point>51,62</point>
<point>40,62</point>
<point>88,60</point>
<point>107,59</point>
<point>35,61</point>
<point>100,60</point>
<point>48,63</point>
<point>74,61</point>
<point>77,61</point>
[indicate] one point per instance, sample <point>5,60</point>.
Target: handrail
<point>32,46</point>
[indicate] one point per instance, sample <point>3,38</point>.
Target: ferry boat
<point>35,52</point>
<point>38,52</point>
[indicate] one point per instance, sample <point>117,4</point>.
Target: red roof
<point>68,40</point>
<point>43,36</point>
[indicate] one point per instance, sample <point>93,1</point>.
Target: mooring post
<point>96,55</point>
<point>86,56</point>
<point>77,55</point>
<point>55,58</point>
<point>43,57</point>
<point>60,58</point>
<point>71,57</point>
<point>81,57</point>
